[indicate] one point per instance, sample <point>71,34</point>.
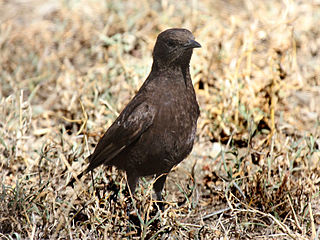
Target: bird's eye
<point>171,43</point>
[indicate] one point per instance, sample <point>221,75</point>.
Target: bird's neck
<point>173,70</point>
<point>159,66</point>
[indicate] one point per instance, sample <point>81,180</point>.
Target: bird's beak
<point>192,44</point>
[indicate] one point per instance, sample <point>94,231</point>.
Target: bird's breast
<point>177,121</point>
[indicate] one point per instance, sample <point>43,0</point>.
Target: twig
<point>313,228</point>
<point>219,212</point>
<point>294,214</point>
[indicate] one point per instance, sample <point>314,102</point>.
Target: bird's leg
<point>132,182</point>
<point>158,187</point>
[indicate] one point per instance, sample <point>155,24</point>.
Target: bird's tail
<point>73,179</point>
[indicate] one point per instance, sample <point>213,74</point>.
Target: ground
<point>67,68</point>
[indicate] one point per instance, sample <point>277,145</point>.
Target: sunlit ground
<point>67,68</point>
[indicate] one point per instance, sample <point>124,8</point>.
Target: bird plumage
<point>156,130</point>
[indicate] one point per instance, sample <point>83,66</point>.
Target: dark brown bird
<point>156,130</point>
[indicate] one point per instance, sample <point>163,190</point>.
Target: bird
<point>157,128</point>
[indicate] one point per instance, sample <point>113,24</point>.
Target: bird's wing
<point>133,121</point>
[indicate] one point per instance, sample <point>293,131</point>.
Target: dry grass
<point>68,67</point>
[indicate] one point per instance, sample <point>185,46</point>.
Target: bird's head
<point>174,48</point>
